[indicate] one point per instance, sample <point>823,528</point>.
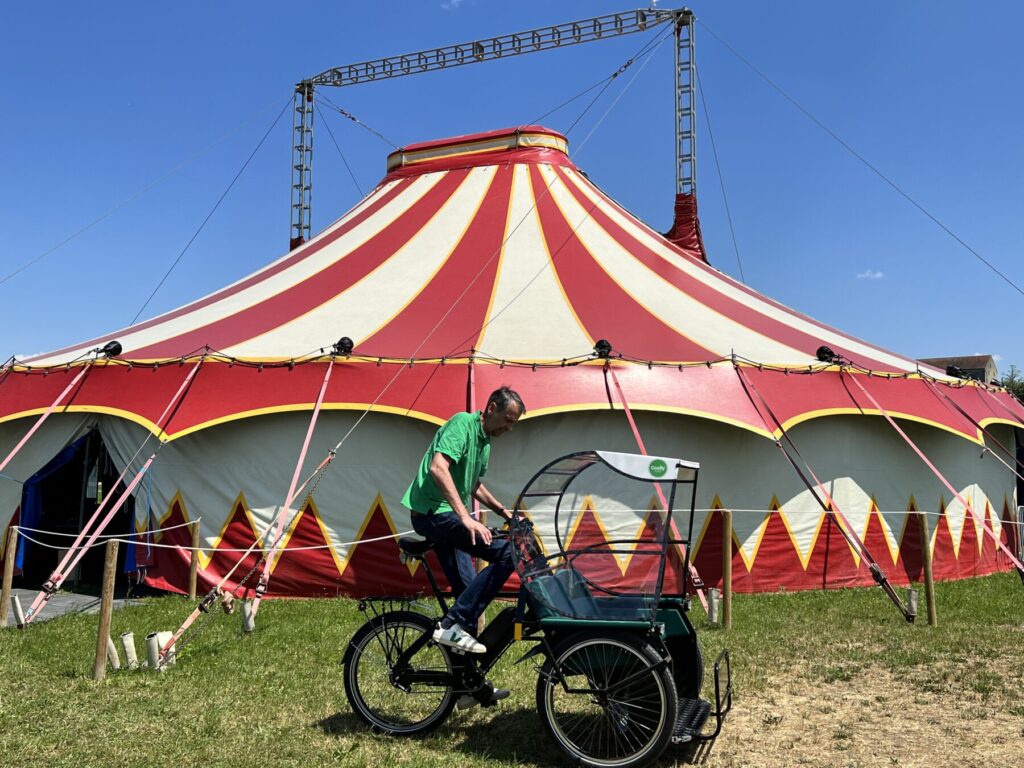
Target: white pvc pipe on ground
<point>162,639</point>
<point>248,620</point>
<point>153,651</point>
<point>112,657</point>
<point>713,598</point>
<point>128,644</point>
<point>19,614</point>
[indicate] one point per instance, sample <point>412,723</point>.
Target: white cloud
<point>451,5</point>
<point>870,274</point>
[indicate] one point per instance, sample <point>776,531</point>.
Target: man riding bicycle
<point>440,497</point>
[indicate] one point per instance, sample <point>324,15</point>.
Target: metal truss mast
<point>489,49</point>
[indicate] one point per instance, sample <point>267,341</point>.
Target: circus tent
<point>492,259</point>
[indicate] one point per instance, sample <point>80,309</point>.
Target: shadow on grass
<point>342,723</point>
<point>518,737</point>
<point>511,736</point>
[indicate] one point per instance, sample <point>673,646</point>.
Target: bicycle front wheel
<point>618,706</point>
<point>391,697</point>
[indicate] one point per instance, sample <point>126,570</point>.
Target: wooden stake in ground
<point>99,670</point>
<point>926,562</point>
<point>726,569</point>
<point>5,592</point>
<point>193,565</point>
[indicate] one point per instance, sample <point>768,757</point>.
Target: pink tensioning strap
<point>694,576</point>
<point>202,607</point>
<point>292,493</point>
<point>980,428</point>
<point>829,506</point>
<point>45,415</point>
<point>942,479</point>
<point>60,573</point>
<point>1001,404</point>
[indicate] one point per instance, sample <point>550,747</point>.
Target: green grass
<point>276,697</point>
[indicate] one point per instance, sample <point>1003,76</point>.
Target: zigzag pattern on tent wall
<point>311,564</point>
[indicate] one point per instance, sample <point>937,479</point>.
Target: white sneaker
<point>468,700</point>
<point>459,639</point>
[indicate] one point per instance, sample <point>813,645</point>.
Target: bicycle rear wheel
<point>389,698</point>
<point>620,706</point>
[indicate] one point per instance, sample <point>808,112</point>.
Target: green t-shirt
<point>462,439</point>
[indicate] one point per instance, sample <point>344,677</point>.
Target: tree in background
<point>1014,381</point>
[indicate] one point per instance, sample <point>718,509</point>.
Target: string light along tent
<point>492,259</point>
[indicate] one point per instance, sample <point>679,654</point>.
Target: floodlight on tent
<point>826,355</point>
<point>111,349</point>
<point>343,347</point>
<point>603,348</point>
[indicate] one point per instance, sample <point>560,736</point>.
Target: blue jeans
<point>473,591</point>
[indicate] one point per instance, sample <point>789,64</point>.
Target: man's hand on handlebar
<point>478,531</point>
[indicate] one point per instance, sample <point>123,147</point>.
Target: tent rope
<point>603,81</point>
<point>265,558</point>
<point>46,414</point>
<point>977,518</point>
<point>210,214</point>
<point>828,504</point>
<point>721,178</point>
<point>341,154</point>
<point>948,401</point>
<point>264,580</point>
<point>899,190</point>
<point>698,583</point>
<point>182,548</point>
<point>77,551</point>
<point>346,114</point>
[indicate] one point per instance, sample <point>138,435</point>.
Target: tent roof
<point>494,242</point>
<point>493,248</point>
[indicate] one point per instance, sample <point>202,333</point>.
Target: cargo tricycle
<point>602,602</point>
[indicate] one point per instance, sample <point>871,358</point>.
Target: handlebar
<point>516,524</point>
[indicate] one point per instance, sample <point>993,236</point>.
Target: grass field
<point>822,678</point>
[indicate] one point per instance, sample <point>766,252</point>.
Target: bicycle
<point>620,669</point>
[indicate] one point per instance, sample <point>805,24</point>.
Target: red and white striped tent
<point>492,259</point>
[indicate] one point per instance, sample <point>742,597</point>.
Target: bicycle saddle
<point>412,546</point>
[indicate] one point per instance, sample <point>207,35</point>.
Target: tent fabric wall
<point>235,476</point>
<point>56,432</point>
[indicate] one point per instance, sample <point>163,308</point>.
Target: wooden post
<point>193,565</point>
<point>726,569</point>
<point>926,562</point>
<point>99,670</point>
<point>5,592</point>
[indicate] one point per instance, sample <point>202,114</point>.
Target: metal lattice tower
<point>490,49</point>
<point>302,164</point>
<point>686,113</point>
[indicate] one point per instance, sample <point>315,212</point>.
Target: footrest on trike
<point>693,713</point>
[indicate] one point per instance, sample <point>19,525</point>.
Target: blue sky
<point>103,100</point>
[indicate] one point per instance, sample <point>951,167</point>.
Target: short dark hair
<point>503,396</point>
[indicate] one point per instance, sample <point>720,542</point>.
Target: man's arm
<point>441,473</point>
<point>487,498</point>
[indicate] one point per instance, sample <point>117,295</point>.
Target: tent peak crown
<point>520,143</point>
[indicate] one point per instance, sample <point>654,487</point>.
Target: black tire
<point>368,664</point>
<point>688,663</point>
<point>631,725</point>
